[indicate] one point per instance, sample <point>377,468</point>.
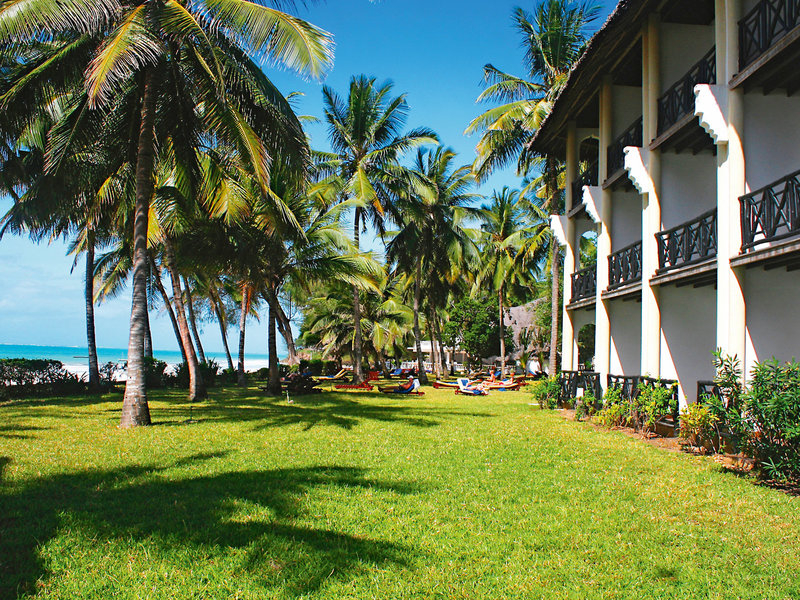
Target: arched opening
<point>586,346</point>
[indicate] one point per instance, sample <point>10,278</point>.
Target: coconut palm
<point>187,64</point>
<point>554,37</point>
<point>365,134</point>
<point>509,251</point>
<point>432,242</point>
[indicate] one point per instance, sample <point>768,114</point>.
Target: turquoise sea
<point>76,357</point>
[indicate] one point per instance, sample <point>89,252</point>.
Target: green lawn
<point>362,496</point>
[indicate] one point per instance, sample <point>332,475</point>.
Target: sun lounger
<point>465,388</point>
<point>445,384</point>
<point>340,375</point>
<point>354,386</point>
<point>413,390</point>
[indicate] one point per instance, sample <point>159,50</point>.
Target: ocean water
<point>75,358</point>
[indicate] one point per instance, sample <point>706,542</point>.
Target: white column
<point>651,207</point>
<point>731,185</point>
<point>568,341</point>
<point>602,345</point>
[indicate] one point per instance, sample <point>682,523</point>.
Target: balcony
<point>678,127</point>
<point>625,266</point>
<point>688,243</point>
<point>771,213</point>
<point>769,46</point>
<point>584,286</point>
<point>588,177</point>
<point>632,136</point>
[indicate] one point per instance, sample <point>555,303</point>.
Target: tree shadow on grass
<point>19,432</point>
<point>252,513</point>
<point>309,412</point>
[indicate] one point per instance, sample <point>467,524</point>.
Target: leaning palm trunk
<point>358,375</point>
<point>222,330</point>
<point>241,379</point>
<point>91,341</point>
<point>168,307</point>
<point>148,334</point>
<point>423,376</point>
<point>197,388</point>
<point>285,329</point>
<point>193,321</point>
<point>135,410</point>
<point>274,386</point>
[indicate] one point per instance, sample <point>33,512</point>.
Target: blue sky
<point>433,50</point>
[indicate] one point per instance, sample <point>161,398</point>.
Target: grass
<point>366,496</point>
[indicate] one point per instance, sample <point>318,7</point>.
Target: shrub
<point>154,373</point>
<point>616,411</point>
<point>208,371</point>
<point>23,377</point>
<point>772,411</point>
<point>546,392</point>
<point>653,403</point>
<point>585,406</point>
<point>698,424</point>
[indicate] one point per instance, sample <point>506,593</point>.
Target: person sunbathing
<point>401,388</point>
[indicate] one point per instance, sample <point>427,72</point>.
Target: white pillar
<point>568,340</point>
<point>731,185</point>
<point>651,208</point>
<point>602,346</point>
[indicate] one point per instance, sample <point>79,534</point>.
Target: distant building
<point>680,128</point>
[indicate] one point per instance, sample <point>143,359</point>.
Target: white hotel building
<point>680,129</point>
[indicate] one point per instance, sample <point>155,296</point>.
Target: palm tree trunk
<point>242,380</point>
<point>135,410</point>
<point>148,338</point>
<point>434,349</point>
<point>442,353</point>
<point>502,334</point>
<point>91,341</point>
<point>358,375</point>
<point>222,329</point>
<point>423,376</point>
<point>553,363</point>
<point>285,329</point>
<point>274,371</point>
<point>193,321</point>
<point>148,334</point>
<point>197,388</point>
<point>168,308</point>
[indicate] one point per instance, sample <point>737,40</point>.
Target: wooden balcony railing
<point>678,101</point>
<point>767,23</point>
<point>588,177</point>
<point>688,243</point>
<point>771,213</point>
<point>588,381</point>
<point>632,136</point>
<point>625,266</point>
<point>584,283</point>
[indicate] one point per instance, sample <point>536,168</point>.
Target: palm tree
<point>510,250</point>
<point>364,132</point>
<point>431,242</point>
<point>190,60</point>
<point>554,37</point>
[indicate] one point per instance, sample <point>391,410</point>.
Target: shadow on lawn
<point>192,517</point>
<point>308,411</point>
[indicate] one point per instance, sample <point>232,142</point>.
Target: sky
<point>432,50</point>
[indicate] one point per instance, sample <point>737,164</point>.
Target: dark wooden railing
<point>584,283</point>
<point>629,386</point>
<point>771,213</point>
<point>767,23</point>
<point>678,101</point>
<point>588,177</point>
<point>688,243</point>
<point>632,136</point>
<point>625,266</point>
<point>588,381</point>
<point>706,389</point>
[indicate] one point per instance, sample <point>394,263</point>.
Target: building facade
<point>680,131</point>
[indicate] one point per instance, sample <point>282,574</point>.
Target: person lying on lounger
<point>400,388</point>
